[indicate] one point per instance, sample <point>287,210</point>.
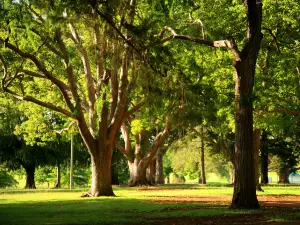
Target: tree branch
<point>133,110</point>
<point>158,141</point>
<point>65,129</point>
<point>40,103</point>
<point>34,74</point>
<point>88,75</point>
<point>113,93</point>
<point>121,148</point>
<point>229,44</point>
<point>273,36</point>
<point>125,134</point>
<point>62,86</point>
<point>100,53</point>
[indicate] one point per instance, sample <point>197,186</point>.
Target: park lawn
<point>132,206</point>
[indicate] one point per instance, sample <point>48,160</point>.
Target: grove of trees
<point>144,82</point>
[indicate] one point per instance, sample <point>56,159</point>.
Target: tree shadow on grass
<point>106,210</point>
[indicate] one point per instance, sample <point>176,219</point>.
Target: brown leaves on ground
<point>272,209</point>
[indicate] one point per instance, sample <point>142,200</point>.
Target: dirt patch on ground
<point>272,208</point>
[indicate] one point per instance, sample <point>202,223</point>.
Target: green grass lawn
<point>133,205</point>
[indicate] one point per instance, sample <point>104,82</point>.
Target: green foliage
<point>184,156</point>
<point>285,155</point>
<point>167,164</point>
<point>6,179</point>
<point>176,179</point>
<point>45,174</point>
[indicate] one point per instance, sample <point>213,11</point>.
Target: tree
<point>68,58</point>
<point>284,158</point>
<point>244,63</point>
<point>144,152</point>
<point>185,158</point>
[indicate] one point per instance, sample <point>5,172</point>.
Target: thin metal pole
<point>71,163</point>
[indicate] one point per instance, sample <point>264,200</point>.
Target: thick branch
<point>229,44</point>
<point>88,75</point>
<point>122,95</point>
<point>41,103</point>
<point>62,86</point>
<point>113,93</point>
<point>33,74</point>
<point>100,53</point>
<point>121,148</point>
<point>159,141</point>
<point>125,134</point>
<point>65,129</point>
<point>82,125</point>
<point>4,70</point>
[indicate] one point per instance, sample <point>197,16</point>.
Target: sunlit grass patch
<point>133,205</point>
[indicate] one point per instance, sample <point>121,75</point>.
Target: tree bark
<point>256,147</point>
<point>101,173</point>
<point>264,158</point>
<point>159,167</point>
<point>30,183</point>
<point>244,195</point>
<point>137,174</point>
<point>57,183</point>
<point>141,160</point>
<point>284,176</point>
<point>152,171</point>
<point>203,177</point>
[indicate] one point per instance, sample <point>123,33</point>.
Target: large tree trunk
<point>203,177</point>
<point>140,162</point>
<point>284,176</point>
<point>264,158</point>
<point>159,167</point>
<point>57,183</point>
<point>256,147</point>
<point>152,171</point>
<point>30,183</point>
<point>244,195</point>
<point>138,175</point>
<point>101,173</point>
<point>138,167</point>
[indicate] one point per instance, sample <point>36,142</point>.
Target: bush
<point>6,180</point>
